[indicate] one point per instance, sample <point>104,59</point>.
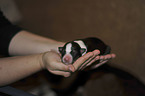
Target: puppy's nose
<point>66,59</point>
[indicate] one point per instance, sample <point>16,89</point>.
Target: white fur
<point>82,45</point>
<point>68,48</point>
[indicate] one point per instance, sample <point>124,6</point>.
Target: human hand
<point>90,58</point>
<point>103,59</point>
<point>52,62</point>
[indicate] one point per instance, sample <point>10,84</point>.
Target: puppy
<point>71,51</point>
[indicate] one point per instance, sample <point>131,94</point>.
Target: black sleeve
<point>7,32</point>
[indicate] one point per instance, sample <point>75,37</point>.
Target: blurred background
<point>119,23</point>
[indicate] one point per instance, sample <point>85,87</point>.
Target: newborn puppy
<point>71,51</point>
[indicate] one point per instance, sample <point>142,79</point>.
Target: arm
<point>18,67</point>
<point>25,43</point>
<point>15,68</point>
<point>17,43</point>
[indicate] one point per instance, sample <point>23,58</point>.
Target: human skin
<point>32,53</point>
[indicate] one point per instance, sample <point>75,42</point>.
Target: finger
<point>92,61</point>
<point>82,59</point>
<point>113,55</point>
<point>99,64</point>
<point>85,63</point>
<point>65,74</point>
<point>71,68</point>
<point>105,59</point>
<point>59,66</point>
<point>108,56</point>
<point>95,53</point>
<point>102,58</point>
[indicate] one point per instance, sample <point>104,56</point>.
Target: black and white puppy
<point>71,51</point>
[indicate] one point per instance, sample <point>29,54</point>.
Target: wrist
<point>41,61</point>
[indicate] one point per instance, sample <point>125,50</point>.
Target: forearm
<point>16,68</point>
<point>25,43</point>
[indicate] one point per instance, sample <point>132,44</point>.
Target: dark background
<point>119,23</point>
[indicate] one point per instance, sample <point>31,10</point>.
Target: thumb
<point>59,66</point>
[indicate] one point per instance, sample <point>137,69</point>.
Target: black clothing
<point>7,32</point>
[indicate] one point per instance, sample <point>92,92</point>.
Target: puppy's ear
<point>60,49</point>
<point>82,50</point>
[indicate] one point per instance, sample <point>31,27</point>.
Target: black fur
<point>91,43</point>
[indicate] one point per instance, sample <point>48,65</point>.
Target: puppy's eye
<point>60,49</point>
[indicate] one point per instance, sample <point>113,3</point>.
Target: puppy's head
<point>70,52</point>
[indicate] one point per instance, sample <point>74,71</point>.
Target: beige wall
<point>120,23</point>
